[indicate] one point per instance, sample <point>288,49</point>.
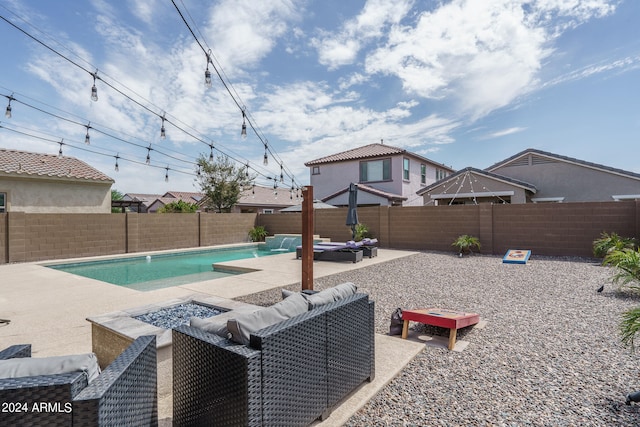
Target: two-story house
<point>386,175</point>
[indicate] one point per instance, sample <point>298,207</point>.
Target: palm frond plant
<point>607,243</point>
<point>627,267</point>
<point>466,243</point>
<point>630,326</point>
<point>258,233</point>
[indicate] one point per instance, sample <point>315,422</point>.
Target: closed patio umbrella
<point>352,212</point>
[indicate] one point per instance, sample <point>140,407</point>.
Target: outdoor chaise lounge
<point>124,393</point>
<point>335,252</point>
<point>289,373</point>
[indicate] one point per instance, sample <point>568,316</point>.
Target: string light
<point>94,89</point>
<point>7,112</point>
<point>60,150</point>
<point>166,175</point>
<point>243,132</point>
<point>207,73</point>
<point>117,168</point>
<point>281,173</point>
<point>265,160</point>
<point>246,171</point>
<point>163,134</point>
<point>148,160</point>
<point>211,153</point>
<point>87,138</point>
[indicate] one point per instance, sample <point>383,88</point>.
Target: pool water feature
<point>145,273</point>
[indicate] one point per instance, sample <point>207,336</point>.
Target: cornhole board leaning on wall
<point>516,256</point>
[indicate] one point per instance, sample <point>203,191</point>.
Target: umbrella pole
<point>307,238</point>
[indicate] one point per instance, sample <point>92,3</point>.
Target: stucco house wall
<point>49,196</point>
<point>572,182</point>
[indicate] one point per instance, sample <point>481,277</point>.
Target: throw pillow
<point>243,325</point>
<point>335,293</point>
<point>34,366</point>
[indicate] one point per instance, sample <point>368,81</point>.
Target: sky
<point>460,82</point>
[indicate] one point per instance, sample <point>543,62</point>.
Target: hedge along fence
<point>566,229</point>
<point>559,229</point>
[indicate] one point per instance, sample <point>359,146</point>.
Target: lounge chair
<point>124,393</point>
<point>368,246</point>
<point>334,252</point>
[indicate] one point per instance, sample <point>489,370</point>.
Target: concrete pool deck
<point>48,309</point>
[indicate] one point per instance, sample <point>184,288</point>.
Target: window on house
<point>423,174</point>
<point>267,211</point>
<point>375,170</point>
<point>441,174</point>
<point>3,202</point>
<point>315,170</point>
<point>405,169</point>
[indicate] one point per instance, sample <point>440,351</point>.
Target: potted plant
<point>466,243</point>
<point>258,233</point>
<point>362,232</point>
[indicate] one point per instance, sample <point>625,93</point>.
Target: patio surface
<point>48,309</point>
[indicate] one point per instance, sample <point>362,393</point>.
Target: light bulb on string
<point>117,168</point>
<point>243,132</point>
<point>211,153</point>
<point>265,160</point>
<point>87,138</point>
<point>207,73</point>
<point>246,171</point>
<point>281,173</point>
<point>60,150</point>
<point>148,160</point>
<point>166,175</point>
<point>94,89</point>
<point>163,134</point>
<point>7,112</point>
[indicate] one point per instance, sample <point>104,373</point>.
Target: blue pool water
<point>164,270</point>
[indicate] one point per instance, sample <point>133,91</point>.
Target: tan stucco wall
<point>56,196</point>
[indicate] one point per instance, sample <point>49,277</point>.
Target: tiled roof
<point>23,163</point>
<point>564,159</point>
<point>141,197</point>
<point>492,175</point>
<point>264,196</point>
<point>187,196</point>
<point>367,189</point>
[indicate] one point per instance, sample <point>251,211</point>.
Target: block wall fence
<point>565,229</point>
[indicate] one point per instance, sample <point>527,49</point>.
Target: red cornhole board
<point>450,319</point>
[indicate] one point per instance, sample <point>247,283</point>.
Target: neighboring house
<point>535,176</point>
<point>386,175</point>
<point>145,201</point>
<point>45,183</point>
<point>257,199</point>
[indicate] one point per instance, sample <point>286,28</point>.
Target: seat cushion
<point>34,366</point>
<point>243,325</point>
<point>328,295</point>
<point>218,324</point>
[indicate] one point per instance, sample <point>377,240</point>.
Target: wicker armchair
<point>291,373</point>
<point>125,393</point>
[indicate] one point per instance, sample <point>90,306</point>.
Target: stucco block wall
<point>216,229</point>
<point>167,231</point>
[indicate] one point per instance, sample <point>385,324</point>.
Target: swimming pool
<point>145,273</point>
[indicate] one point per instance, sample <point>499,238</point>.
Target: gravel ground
<point>550,354</point>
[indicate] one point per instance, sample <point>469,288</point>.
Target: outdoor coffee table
<point>450,319</point>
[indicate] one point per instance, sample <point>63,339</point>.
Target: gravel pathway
<point>550,354</point>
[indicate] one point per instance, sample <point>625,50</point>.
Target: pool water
<point>145,273</point>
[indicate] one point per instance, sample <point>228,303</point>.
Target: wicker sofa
<point>291,373</point>
<point>124,393</point>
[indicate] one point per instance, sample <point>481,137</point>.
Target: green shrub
<point>362,232</point>
<point>611,242</point>
<point>258,233</point>
<point>466,243</point>
<point>627,267</point>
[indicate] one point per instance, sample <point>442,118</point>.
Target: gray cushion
<point>335,293</point>
<point>243,325</point>
<point>218,324</point>
<point>286,293</point>
<point>34,366</point>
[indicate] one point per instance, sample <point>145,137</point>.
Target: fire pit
<point>111,333</point>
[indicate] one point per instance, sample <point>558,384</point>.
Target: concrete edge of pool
<point>49,308</point>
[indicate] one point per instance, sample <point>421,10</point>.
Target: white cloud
<point>482,54</point>
<point>505,132</point>
<point>342,48</point>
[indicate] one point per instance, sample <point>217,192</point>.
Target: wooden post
<point>307,238</point>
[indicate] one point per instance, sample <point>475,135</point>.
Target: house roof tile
<point>25,164</point>
<point>368,189</point>
<point>368,152</point>
<point>488,174</point>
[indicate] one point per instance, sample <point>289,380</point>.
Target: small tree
<point>179,206</point>
<point>116,195</point>
<point>222,182</point>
